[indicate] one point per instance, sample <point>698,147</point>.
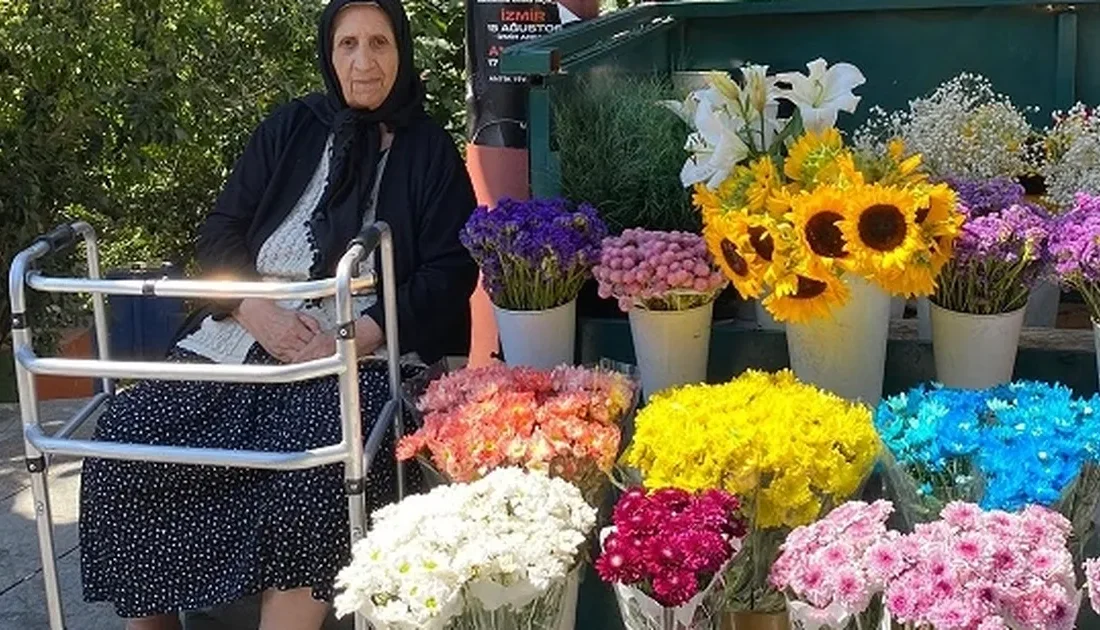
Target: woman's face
<point>364,53</point>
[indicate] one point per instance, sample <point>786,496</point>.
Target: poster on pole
<point>496,102</point>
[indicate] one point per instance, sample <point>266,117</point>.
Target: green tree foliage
<point>130,113</point>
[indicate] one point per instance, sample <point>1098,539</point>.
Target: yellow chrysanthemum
<point>880,229</point>
<point>800,298</point>
<point>787,448</point>
<point>723,234</point>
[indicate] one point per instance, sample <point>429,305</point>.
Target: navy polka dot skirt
<point>160,538</point>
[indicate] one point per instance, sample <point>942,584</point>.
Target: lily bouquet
<point>665,553</point>
<point>788,450</point>
<point>534,255</point>
<point>1075,250</point>
<point>787,219</point>
<point>565,422</point>
<point>658,271</point>
<point>1006,447</point>
<point>500,553</point>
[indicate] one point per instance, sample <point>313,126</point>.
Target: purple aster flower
<point>1075,249</point>
<point>998,257</point>
<point>534,254</point>
<point>985,196</point>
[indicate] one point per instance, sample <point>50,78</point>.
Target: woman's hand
<point>322,345</point>
<point>368,338</point>
<point>283,333</point>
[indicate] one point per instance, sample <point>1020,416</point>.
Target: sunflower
<point>904,170</point>
<point>722,235</point>
<point>801,298</point>
<point>935,204</point>
<point>814,156</point>
<point>816,217</point>
<point>765,180</point>
<point>880,228</point>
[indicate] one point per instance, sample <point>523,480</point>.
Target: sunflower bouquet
<point>790,220</point>
<point>789,450</point>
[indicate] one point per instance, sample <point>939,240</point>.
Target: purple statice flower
<point>1075,249</point>
<point>534,254</point>
<point>998,257</point>
<point>983,196</point>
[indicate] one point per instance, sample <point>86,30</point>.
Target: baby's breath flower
<point>963,129</point>
<point>1072,155</point>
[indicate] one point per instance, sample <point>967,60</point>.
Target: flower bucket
<point>756,621</point>
<point>539,339</point>
<point>1096,342</point>
<point>975,351</point>
<point>764,319</point>
<point>1042,305</point>
<point>845,354</point>
<point>924,319</point>
<point>671,347</point>
<point>556,609</point>
<point>897,307</point>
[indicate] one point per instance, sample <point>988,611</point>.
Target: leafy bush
<point>622,152</point>
<point>129,114</point>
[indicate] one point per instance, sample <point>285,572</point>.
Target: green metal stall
<point>1045,55</point>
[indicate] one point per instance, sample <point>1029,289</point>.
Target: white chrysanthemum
<point>501,541</point>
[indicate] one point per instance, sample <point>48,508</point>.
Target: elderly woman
<point>156,538</point>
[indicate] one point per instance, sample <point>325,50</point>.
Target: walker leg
<point>36,465</point>
<point>44,520</point>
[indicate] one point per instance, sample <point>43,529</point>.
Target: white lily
<point>824,93</point>
<point>715,146</point>
<point>760,105</point>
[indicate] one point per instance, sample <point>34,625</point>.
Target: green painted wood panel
<point>1043,55</point>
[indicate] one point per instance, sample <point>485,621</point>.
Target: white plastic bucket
<point>975,351</point>
<point>845,354</point>
<point>671,347</point>
<point>1042,305</point>
<point>1096,341</point>
<point>924,319</point>
<point>764,319</point>
<point>897,307</point>
<point>539,339</point>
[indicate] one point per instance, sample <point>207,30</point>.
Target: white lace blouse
<point>287,255</point>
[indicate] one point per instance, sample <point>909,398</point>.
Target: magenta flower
<point>669,543</point>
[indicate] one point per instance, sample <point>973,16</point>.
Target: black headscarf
<point>357,141</point>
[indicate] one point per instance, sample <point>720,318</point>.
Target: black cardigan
<point>425,196</point>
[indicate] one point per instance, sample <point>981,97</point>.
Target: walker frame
<point>40,447</point>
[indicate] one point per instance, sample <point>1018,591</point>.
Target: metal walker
<point>350,451</point>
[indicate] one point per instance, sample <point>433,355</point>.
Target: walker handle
<point>61,238</point>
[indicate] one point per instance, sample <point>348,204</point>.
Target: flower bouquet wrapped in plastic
<point>499,553</point>
<point>788,450</point>
<point>666,552</point>
<point>985,570</point>
<point>970,570</point>
<point>1005,447</point>
<point>567,422</point>
<point>827,568</point>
